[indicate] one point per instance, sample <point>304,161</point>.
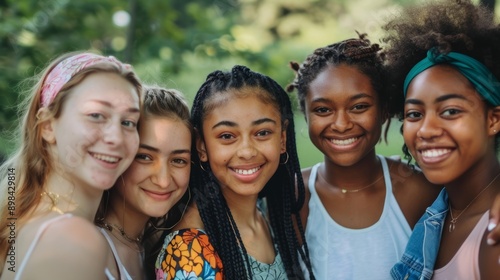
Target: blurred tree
<point>174,40</point>
<point>490,4</point>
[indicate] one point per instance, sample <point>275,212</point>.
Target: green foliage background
<point>176,43</point>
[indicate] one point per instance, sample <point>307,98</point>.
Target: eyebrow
<point>354,97</point>
<point>153,149</point>
<point>233,124</point>
<point>438,100</point>
<point>108,104</point>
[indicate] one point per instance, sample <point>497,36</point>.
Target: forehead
<point>441,80</point>
<point>341,78</point>
<point>165,133</point>
<point>103,86</point>
<point>246,110</point>
<point>222,98</point>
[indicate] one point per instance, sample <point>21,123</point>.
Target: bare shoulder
<point>489,256</point>
<point>191,218</point>
<point>411,189</point>
<point>69,247</point>
<point>304,211</point>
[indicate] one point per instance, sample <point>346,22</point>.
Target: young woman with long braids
<point>445,68</point>
<point>78,134</point>
<point>246,155</point>
<point>147,194</point>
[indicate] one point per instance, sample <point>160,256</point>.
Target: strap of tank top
<point>312,178</point>
<point>387,175</point>
<point>121,269</point>
<point>39,233</point>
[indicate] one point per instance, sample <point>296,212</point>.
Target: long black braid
<point>283,203</point>
<point>359,53</point>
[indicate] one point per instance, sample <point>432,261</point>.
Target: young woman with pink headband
<point>77,135</point>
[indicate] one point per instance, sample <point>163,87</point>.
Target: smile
<point>435,152</point>
<point>105,158</point>
<point>247,171</point>
<point>344,142</point>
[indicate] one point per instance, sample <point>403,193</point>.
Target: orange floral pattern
<point>188,254</point>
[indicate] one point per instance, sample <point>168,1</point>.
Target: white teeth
<point>247,171</point>
<point>435,152</point>
<point>344,142</point>
<point>106,158</point>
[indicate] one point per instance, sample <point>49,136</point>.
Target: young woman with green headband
<point>444,57</point>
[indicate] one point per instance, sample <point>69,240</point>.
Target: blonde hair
<point>31,162</point>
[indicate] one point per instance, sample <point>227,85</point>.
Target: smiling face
<point>95,137</point>
<point>343,115</point>
<point>446,127</point>
<point>159,175</point>
<point>243,139</point>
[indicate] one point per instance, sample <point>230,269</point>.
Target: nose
<point>112,133</point>
<point>341,121</point>
<point>429,128</point>
<point>247,149</point>
<point>161,176</point>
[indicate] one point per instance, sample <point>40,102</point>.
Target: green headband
<point>483,80</point>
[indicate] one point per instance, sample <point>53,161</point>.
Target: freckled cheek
<point>133,143</point>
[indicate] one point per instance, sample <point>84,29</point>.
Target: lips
<point>106,158</point>
<point>158,195</point>
<point>344,142</point>
<point>246,171</point>
<point>434,153</point>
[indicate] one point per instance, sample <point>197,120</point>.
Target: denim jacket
<point>421,251</point>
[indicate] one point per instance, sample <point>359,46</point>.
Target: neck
<point>121,214</point>
<point>481,180</point>
<point>243,209</point>
<point>68,197</point>
<point>348,177</point>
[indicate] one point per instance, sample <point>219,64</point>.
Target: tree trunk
<point>489,4</point>
<point>129,48</point>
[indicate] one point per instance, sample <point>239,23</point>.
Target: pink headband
<point>68,68</point>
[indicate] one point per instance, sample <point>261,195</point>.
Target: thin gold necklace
<point>121,230</point>
<point>355,190</point>
<point>54,199</point>
<point>454,219</point>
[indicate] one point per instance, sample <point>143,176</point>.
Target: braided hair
<point>282,202</point>
<point>448,25</point>
<point>355,52</point>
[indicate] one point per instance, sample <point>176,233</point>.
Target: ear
<point>283,137</point>
<point>46,125</point>
<point>200,147</point>
<point>494,121</point>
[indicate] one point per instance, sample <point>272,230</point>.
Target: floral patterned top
<point>188,254</point>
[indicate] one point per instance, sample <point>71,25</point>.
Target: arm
<point>494,223</point>
<point>188,253</point>
<point>489,260</point>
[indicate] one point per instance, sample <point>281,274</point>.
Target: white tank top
<point>33,244</point>
<point>338,252</point>
<point>39,234</point>
<point>124,275</point>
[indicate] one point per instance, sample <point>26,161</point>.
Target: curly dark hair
<point>446,25</point>
<point>283,203</point>
<point>355,52</point>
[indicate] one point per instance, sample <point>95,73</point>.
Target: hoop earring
<point>201,166</point>
<point>287,157</point>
